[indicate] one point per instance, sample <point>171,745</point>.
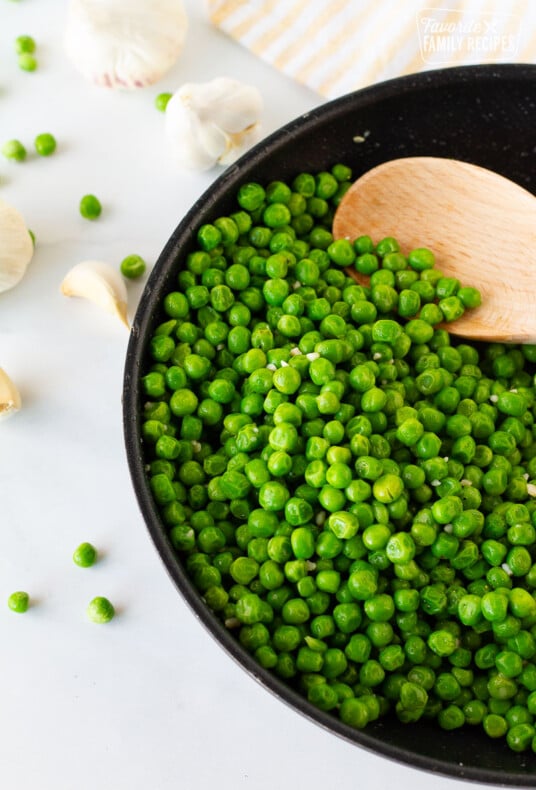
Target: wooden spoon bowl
<point>480,225</point>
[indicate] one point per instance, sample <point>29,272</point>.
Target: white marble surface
<point>150,701</point>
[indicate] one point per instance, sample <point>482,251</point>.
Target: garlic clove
<point>195,145</point>
<point>125,43</point>
<point>16,247</point>
<point>233,105</point>
<point>99,283</point>
<point>237,144</point>
<point>10,400</point>
<point>213,123</point>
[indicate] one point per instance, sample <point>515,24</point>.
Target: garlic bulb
<point>213,122</point>
<point>10,401</point>
<point>16,247</point>
<point>125,43</point>
<point>99,283</point>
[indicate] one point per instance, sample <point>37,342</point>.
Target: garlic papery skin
<point>101,284</point>
<point>125,43</point>
<point>16,246</point>
<point>213,122</point>
<point>10,400</point>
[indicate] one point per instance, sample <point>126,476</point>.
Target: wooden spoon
<point>481,227</point>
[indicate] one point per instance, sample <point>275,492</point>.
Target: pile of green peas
<point>351,489</point>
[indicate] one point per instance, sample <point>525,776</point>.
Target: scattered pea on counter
<point>45,144</point>
<point>24,44</point>
<point>18,602</point>
<point>100,610</point>
<point>132,267</point>
<point>27,62</point>
<point>90,207</point>
<point>85,555</point>
<point>14,149</point>
<point>161,101</point>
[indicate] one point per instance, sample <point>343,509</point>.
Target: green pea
<point>18,602</point>
<point>428,446</point>
<point>494,606</point>
<point>509,663</point>
<point>521,602</point>
<point>373,400</point>
<point>494,725</point>
<point>451,718</point>
<point>295,611</point>
<point>354,712</point>
<point>413,696</point>
<point>24,44</point>
<point>379,608</point>
<point>343,524</point>
<point>176,305</point>
<point>409,304</point>
<point>90,207</point>
<point>362,584</point>
<point>371,673</point>
<point>45,144</point>
<point>132,267</point>
<point>421,259</point>
<point>100,610</point>
<point>273,496</point>
<point>162,100</point>
<point>520,736</point>
<point>27,62</point>
<point>388,488</point>
<point>251,609</point>
<point>341,252</point>
<point>400,548</point>
<point>183,401</point>
<point>85,555</point>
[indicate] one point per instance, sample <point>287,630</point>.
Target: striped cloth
<point>337,46</point>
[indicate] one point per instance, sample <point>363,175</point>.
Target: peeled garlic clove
<point>16,247</point>
<point>10,401</point>
<point>125,43</point>
<point>99,283</point>
<point>213,122</point>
